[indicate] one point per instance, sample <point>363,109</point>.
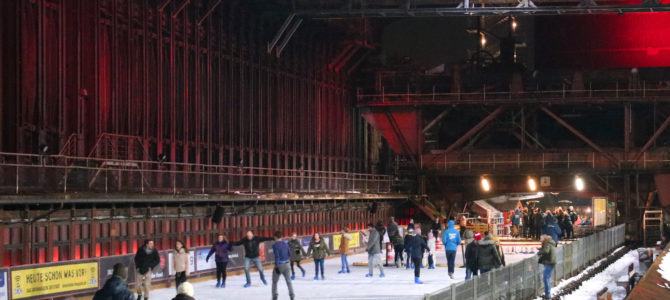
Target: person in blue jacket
<point>451,239</point>
<point>551,228</point>
<point>516,221</point>
<point>415,246</point>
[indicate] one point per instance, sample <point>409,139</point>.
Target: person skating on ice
<point>431,248</point>
<point>282,253</point>
<point>344,250</point>
<point>319,250</point>
<point>297,252</point>
<point>146,260</point>
<point>415,246</point>
<point>451,239</point>
<point>374,252</point>
<point>221,249</point>
<point>251,254</point>
<point>180,263</point>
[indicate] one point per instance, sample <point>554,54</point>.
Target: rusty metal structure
<point>122,120</point>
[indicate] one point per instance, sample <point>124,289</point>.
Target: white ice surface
<point>398,283</point>
<point>607,278</point>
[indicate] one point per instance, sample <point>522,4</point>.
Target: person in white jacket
<point>431,249</point>
<point>180,263</point>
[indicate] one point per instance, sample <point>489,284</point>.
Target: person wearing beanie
<point>146,260</point>
<point>185,292</point>
<point>471,251</point>
<point>451,239</point>
<point>431,247</point>
<point>374,252</point>
<point>415,246</point>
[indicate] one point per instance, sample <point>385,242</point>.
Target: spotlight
<point>486,186</point>
<point>579,183</point>
<point>483,40</point>
<point>514,24</point>
<point>532,185</point>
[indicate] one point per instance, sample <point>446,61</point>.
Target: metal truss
<point>477,8</point>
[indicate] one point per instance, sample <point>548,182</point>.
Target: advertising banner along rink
<point>37,281</point>
<point>4,282</point>
<point>355,241</point>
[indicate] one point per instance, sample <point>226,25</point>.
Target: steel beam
<point>475,129</point>
<point>436,120</point>
<point>651,140</point>
<point>401,138</point>
<point>288,37</point>
<point>579,135</point>
<point>524,9</point>
<point>209,12</point>
<point>279,33</point>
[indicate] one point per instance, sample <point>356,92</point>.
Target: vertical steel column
<point>93,233</point>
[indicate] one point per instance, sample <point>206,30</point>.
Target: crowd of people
<point>482,253</point>
<point>558,224</point>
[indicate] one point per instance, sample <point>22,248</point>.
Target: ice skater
<point>146,260</point>
<point>180,263</point>
<point>282,254</point>
<point>251,254</point>
<point>221,248</point>
<point>415,246</point>
<point>319,250</point>
<point>344,250</point>
<point>431,248</point>
<point>547,258</point>
<point>451,239</point>
<point>297,252</point>
<point>374,252</point>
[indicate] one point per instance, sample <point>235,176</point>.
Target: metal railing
<point>483,96</point>
<point>523,280</point>
<point>41,173</point>
<point>655,158</point>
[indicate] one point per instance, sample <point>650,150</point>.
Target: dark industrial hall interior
<point>129,123</point>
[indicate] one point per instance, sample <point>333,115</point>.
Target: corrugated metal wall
<point>204,93</point>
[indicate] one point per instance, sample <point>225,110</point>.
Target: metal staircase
<point>652,226</point>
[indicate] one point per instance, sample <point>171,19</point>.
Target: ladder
<point>652,226</point>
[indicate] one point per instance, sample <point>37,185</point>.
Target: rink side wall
<point>523,280</point>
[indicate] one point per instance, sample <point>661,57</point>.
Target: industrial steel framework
<point>191,81</point>
<point>436,8</point>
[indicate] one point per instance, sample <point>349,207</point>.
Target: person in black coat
<point>538,223</point>
<point>251,254</point>
<point>382,230</point>
<point>116,287</point>
<point>471,253</point>
<point>415,246</point>
<point>146,260</point>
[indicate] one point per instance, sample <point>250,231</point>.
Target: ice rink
<point>398,283</point>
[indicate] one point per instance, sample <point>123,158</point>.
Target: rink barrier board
<point>55,274</point>
<point>4,284</point>
<point>161,273</point>
<point>523,280</point>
